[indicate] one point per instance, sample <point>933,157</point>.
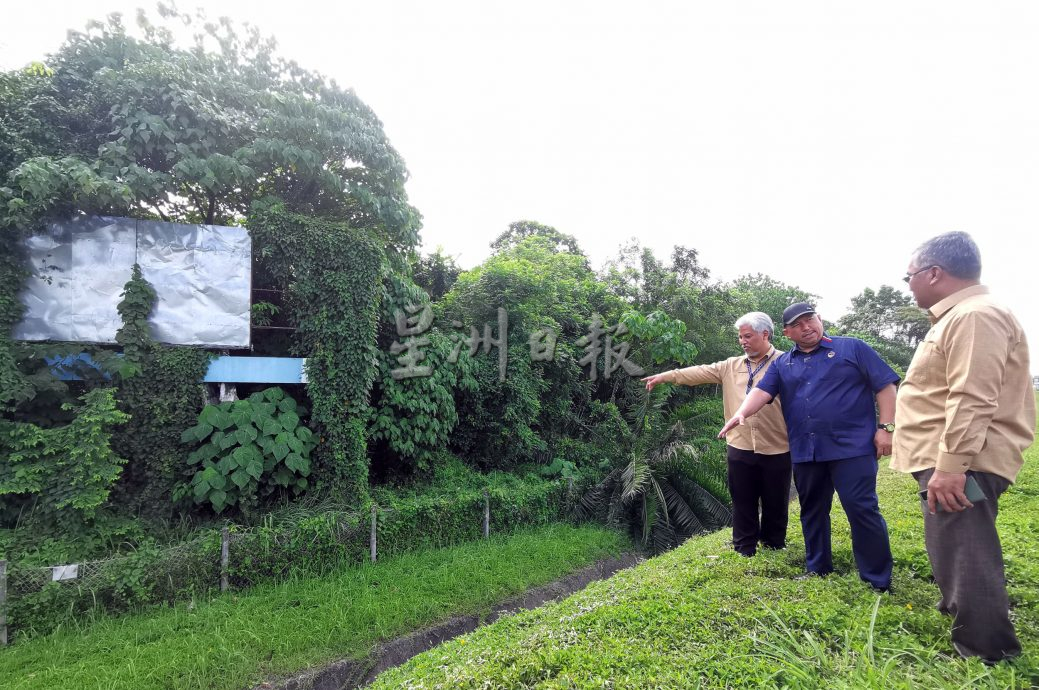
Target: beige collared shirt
<point>763,433</point>
<point>967,401</point>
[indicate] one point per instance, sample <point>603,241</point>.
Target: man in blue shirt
<point>828,387</point>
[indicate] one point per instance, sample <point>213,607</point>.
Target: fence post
<point>375,523</point>
<point>3,603</point>
<point>225,557</point>
<point>486,515</point>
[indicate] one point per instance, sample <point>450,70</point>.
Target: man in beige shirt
<point>758,454</point>
<point>964,415</point>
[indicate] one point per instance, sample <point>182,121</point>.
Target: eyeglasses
<point>909,276</point>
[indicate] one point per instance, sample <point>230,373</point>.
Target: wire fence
<point>39,599</point>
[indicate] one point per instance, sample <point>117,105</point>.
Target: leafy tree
<point>889,321</point>
<point>522,229</point>
<point>763,293</point>
<point>220,131</point>
<point>540,286</point>
<point>140,127</point>
<point>436,273</point>
<point>760,292</point>
<point>680,289</point>
<point>887,314</point>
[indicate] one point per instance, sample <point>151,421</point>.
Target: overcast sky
<point>817,142</point>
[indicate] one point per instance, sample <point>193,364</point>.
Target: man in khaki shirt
<point>758,454</point>
<point>963,417</point>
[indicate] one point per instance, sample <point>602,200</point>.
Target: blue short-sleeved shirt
<point>828,398</point>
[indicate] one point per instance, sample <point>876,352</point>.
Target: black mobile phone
<point>972,489</point>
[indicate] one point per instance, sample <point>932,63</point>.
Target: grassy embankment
<point>235,641</point>
<point>702,616</point>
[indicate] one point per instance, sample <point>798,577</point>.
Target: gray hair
<point>953,251</point>
<point>759,321</point>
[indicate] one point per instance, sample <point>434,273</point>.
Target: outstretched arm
<point>756,399</point>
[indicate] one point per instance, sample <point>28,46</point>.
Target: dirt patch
<point>355,673</point>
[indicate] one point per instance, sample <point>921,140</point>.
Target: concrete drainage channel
<point>356,673</point>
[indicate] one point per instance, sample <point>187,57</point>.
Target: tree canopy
<point>141,127</point>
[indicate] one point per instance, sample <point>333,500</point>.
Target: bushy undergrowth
<point>703,616</point>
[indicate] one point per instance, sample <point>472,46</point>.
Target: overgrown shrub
<point>250,449</point>
<point>59,477</point>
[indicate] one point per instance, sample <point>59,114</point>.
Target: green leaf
<point>240,477</point>
<point>274,394</point>
<point>304,434</point>
<point>255,468</point>
<point>203,430</point>
<point>225,465</point>
<point>209,415</point>
<point>219,500</point>
<point>271,427</point>
<point>281,450</point>
<point>246,435</point>
<point>287,405</point>
<point>222,420</point>
<point>289,421</point>
<point>227,441</point>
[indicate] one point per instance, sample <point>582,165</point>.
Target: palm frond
<point>704,503</point>
<point>635,478</point>
<point>682,516</point>
<point>596,500</point>
<point>663,537</point>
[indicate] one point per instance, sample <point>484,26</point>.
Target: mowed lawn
<point>702,616</point>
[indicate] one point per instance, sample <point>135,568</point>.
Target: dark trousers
<point>757,480</point>
<point>967,563</point>
<point>855,480</point>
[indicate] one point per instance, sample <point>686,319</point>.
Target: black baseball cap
<point>796,311</point>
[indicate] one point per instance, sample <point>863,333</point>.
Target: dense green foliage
<point>704,616</point>
<point>58,478</point>
<point>330,273</point>
<point>305,622</point>
<point>250,448</point>
<point>149,441</point>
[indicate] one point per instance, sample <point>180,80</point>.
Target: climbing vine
<point>330,273</point>
<point>161,391</point>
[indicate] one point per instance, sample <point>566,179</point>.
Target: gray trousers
<point>967,563</point>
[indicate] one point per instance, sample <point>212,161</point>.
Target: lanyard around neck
<point>752,374</point>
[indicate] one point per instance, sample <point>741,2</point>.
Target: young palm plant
<point>669,487</point>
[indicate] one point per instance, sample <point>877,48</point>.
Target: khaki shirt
<point>763,433</point>
<point>967,401</point>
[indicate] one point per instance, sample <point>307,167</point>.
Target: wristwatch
<point>889,427</point>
